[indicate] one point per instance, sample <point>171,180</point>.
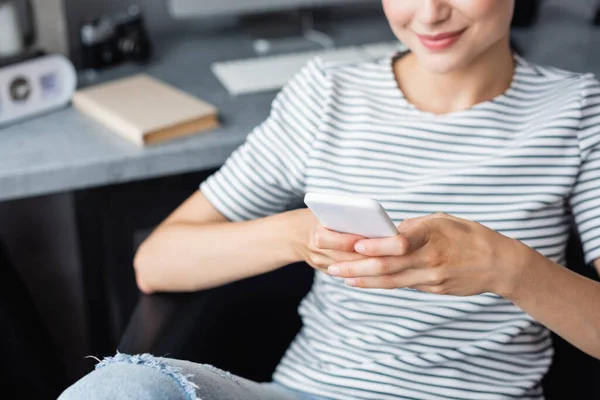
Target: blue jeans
<point>145,377</point>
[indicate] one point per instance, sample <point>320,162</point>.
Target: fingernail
<point>350,282</point>
<point>333,271</point>
<point>360,248</point>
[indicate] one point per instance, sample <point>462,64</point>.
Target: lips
<point>440,41</point>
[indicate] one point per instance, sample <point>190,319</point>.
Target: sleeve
<point>585,200</point>
<point>266,173</point>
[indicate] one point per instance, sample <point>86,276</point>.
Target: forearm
<point>183,256</point>
<point>562,300</point>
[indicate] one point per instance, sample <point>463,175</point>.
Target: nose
<point>433,12</point>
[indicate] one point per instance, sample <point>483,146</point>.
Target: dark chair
<point>28,359</point>
<point>245,328</point>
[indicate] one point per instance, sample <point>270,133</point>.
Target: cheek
<point>481,8</point>
<point>492,20</point>
<point>492,12</point>
<point>399,13</point>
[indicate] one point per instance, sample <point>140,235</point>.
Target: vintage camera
<point>114,39</point>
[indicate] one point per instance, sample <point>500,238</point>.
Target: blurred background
<point>83,179</point>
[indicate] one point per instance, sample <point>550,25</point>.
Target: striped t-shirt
<point>522,164</point>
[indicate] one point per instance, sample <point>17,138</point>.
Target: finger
<point>330,240</point>
<point>434,289</point>
<point>320,262</point>
<point>405,279</point>
<point>325,258</point>
<point>407,241</point>
<point>343,256</point>
<point>390,246</point>
<point>373,266</point>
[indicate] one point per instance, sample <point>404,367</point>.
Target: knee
<point>125,381</point>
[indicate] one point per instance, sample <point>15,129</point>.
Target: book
<point>145,110</point>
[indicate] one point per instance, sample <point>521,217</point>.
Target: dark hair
<point>515,47</point>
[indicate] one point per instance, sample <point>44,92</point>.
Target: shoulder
<point>353,72</point>
<point>324,80</point>
<point>316,74</point>
<point>590,91</point>
<point>552,81</point>
<point>310,85</point>
<point>365,71</point>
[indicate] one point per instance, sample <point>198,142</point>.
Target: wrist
<point>291,235</point>
<point>520,271</point>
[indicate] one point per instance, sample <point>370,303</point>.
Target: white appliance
<point>36,86</point>
<point>17,27</point>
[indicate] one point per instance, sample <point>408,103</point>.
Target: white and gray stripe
<point>523,164</point>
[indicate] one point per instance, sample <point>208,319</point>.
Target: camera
<point>114,39</point>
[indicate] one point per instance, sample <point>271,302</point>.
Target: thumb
<point>410,222</point>
<point>417,234</point>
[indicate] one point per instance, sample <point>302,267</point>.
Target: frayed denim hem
<point>156,363</point>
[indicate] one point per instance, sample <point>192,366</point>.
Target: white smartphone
<point>350,214</point>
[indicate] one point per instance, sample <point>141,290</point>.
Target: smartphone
<point>350,214</point>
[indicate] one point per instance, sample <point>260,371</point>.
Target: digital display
<point>49,84</point>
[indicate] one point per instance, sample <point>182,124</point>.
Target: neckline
<point>389,61</point>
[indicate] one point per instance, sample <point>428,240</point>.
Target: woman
<point>457,304</point>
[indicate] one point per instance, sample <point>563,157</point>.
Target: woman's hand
<point>439,254</point>
<point>320,247</point>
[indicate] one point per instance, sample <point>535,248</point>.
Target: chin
<point>440,63</point>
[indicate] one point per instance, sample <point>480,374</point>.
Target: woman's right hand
<point>318,246</point>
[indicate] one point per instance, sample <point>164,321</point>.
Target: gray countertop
<point>64,150</point>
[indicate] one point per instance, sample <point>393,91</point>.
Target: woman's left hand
<point>440,254</point>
